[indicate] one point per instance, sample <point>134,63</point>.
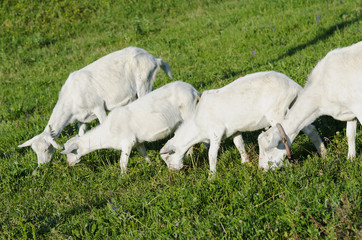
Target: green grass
<point>209,44</point>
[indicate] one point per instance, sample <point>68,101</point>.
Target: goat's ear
<point>51,140</point>
<point>169,149</point>
<point>72,147</point>
<point>28,143</point>
<point>55,145</point>
<point>271,138</point>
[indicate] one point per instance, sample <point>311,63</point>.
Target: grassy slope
<point>208,44</point>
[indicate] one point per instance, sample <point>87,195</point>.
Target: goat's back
<point>338,76</point>
<point>156,114</point>
<point>112,79</point>
<point>245,103</point>
<point>254,91</point>
<point>178,94</point>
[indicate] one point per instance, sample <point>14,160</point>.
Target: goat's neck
<point>187,136</point>
<point>93,140</point>
<point>59,119</point>
<point>304,111</point>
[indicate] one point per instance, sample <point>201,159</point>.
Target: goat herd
<point>121,82</point>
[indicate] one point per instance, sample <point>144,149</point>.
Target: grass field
<point>207,43</point>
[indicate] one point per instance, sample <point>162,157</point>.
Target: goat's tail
<point>166,68</point>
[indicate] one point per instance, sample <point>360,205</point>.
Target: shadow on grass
<point>324,34</point>
<point>321,37</point>
<point>50,221</point>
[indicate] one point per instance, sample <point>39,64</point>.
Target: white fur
<point>250,103</point>
<point>334,88</point>
<point>113,80</point>
<point>147,119</point>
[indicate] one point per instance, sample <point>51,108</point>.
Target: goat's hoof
<point>212,176</point>
<point>247,163</point>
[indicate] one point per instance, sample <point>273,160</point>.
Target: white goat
<point>113,80</point>
<point>334,88</point>
<point>250,103</point>
<point>147,119</point>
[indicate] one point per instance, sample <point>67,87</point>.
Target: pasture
<point>208,43</point>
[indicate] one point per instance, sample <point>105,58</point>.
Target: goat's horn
<point>284,139</point>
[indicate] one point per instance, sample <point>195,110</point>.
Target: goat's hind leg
<point>351,131</point>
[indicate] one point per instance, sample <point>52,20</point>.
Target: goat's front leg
<point>239,144</point>
<point>101,114</point>
<point>143,88</point>
<point>126,151</point>
<point>82,127</point>
<point>142,151</point>
<point>351,138</point>
<point>313,135</point>
<point>215,140</point>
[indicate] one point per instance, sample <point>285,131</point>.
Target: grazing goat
<point>250,103</point>
<point>149,118</point>
<point>113,80</point>
<point>334,88</point>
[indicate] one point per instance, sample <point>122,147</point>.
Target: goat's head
<point>43,145</point>
<point>172,157</point>
<point>273,147</point>
<point>71,149</point>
